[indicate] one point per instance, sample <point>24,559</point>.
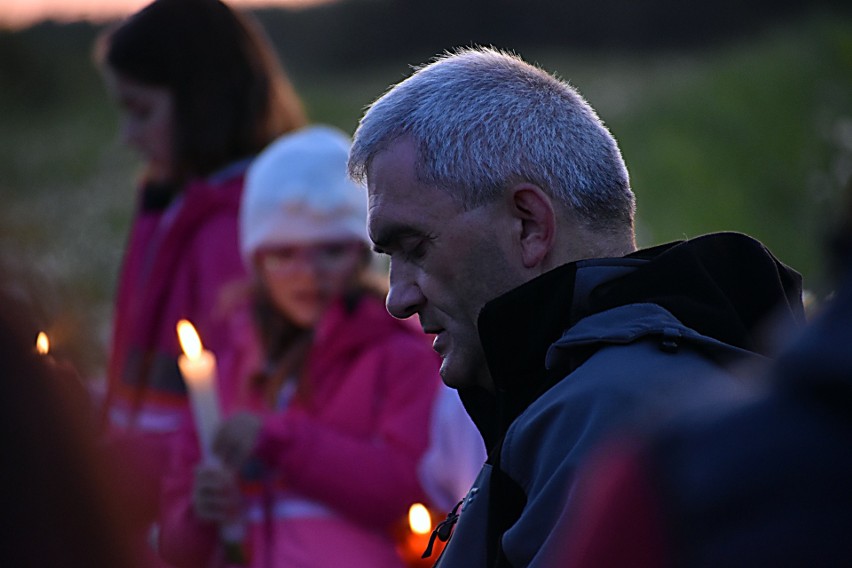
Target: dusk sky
<point>21,13</point>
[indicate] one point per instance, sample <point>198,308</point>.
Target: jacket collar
<point>516,330</point>
<point>722,286</point>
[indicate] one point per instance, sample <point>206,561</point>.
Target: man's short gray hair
<point>483,118</point>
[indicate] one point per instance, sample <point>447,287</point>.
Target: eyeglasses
<point>328,257</point>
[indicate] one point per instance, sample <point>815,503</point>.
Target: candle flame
<point>190,343</point>
<point>419,519</point>
<point>42,343</point>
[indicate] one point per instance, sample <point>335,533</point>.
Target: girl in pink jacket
<point>330,398</point>
<point>200,92</point>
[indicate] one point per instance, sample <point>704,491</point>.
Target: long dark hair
<point>231,95</point>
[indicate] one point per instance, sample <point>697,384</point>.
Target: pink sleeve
<point>372,481</point>
<point>184,540</point>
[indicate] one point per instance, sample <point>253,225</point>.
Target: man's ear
<point>535,219</point>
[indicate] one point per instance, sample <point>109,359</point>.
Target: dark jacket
<point>776,488</point>
<point>590,346</point>
<point>761,481</point>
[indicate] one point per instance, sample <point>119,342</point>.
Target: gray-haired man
<point>506,210</point>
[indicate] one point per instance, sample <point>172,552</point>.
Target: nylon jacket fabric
<point>177,260</point>
<point>590,347</point>
<point>761,481</point>
<point>340,464</point>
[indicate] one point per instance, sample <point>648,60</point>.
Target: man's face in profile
<point>445,261</point>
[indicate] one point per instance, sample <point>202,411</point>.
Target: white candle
<point>198,367</point>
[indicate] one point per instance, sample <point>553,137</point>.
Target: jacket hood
<point>718,289</point>
<point>158,196</point>
<point>727,286</point>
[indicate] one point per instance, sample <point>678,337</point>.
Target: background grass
<point>754,135</point>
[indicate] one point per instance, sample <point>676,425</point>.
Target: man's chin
<point>452,377</point>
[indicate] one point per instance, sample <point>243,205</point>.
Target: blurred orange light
<point>419,519</point>
<point>42,343</point>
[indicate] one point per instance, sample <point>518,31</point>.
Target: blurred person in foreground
<point>200,93</point>
<point>504,205</point>
<point>58,503</point>
<point>330,398</point>
<point>758,480</point>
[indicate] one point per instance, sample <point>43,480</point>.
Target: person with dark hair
<point>504,205</point>
<point>329,398</point>
<point>227,93</point>
<point>201,93</point>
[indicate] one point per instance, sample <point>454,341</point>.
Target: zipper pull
<point>443,530</point>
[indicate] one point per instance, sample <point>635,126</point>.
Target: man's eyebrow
<point>390,235</point>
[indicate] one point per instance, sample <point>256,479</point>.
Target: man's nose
<point>404,296</point>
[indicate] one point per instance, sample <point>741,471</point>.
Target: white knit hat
<point>297,191</point>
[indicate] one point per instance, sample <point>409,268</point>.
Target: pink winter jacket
<point>176,263</point>
<point>341,463</point>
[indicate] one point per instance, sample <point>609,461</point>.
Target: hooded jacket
<point>761,480</point>
<point>182,250</point>
<point>589,347</point>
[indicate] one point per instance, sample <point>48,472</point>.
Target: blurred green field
<point>753,136</point>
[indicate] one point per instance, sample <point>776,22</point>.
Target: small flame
<point>42,343</point>
<point>190,343</point>
<point>419,519</point>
